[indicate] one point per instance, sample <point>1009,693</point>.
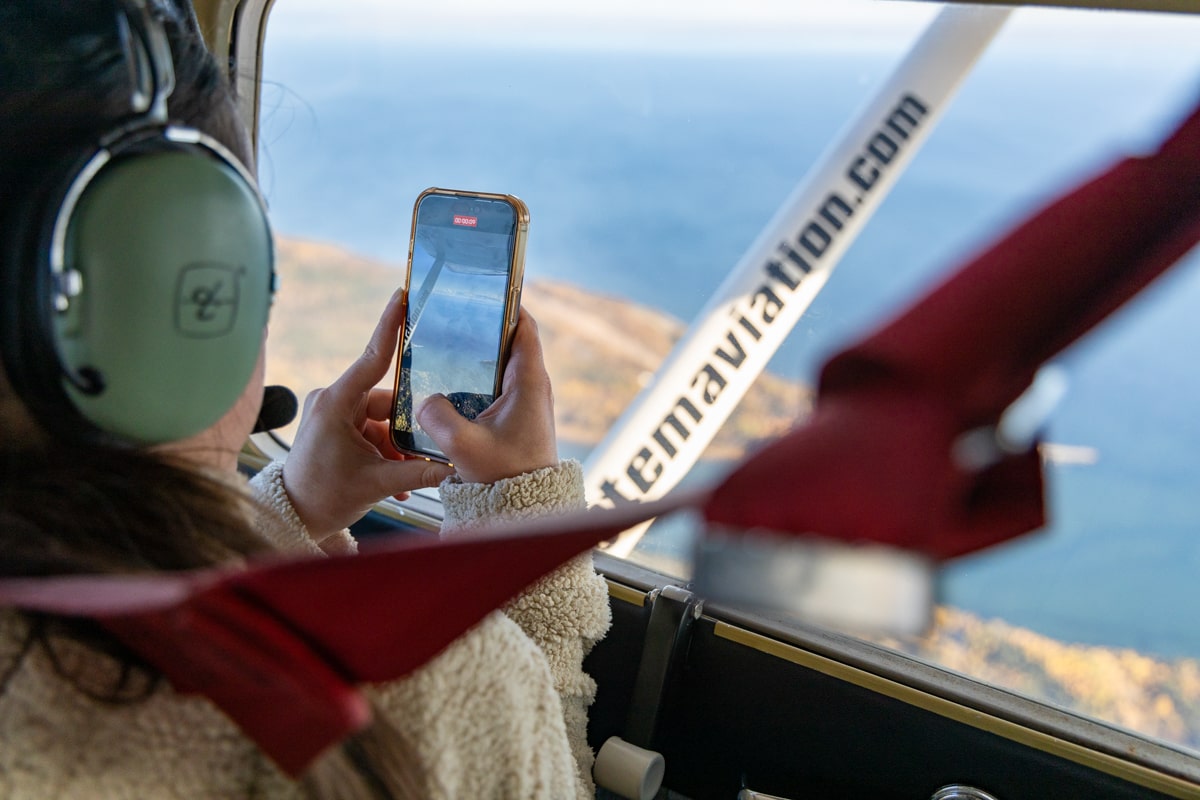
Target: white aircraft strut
<point>667,428</point>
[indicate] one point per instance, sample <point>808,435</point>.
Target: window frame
<point>1090,742</point>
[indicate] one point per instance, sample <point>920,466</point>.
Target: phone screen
<point>463,288</point>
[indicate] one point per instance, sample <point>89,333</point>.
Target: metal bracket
<point>672,612</point>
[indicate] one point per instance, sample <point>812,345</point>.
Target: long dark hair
<point>64,81</point>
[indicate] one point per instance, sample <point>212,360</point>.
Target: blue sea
<point>648,174</point>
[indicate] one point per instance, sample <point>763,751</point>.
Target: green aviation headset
<point>135,304</point>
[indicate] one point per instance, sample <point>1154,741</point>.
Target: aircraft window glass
<point>653,141</point>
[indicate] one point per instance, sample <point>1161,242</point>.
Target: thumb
<point>444,424</point>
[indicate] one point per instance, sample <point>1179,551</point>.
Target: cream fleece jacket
<point>501,713</point>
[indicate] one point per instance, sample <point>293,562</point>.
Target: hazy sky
<point>611,22</point>
<point>708,24</point>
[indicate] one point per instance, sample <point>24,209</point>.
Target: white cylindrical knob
<point>629,770</point>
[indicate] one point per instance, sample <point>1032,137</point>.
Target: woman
<point>500,713</point>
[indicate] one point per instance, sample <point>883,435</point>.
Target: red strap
<point>875,462</point>
<point>282,646</point>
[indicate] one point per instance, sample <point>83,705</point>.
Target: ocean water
<point>648,174</point>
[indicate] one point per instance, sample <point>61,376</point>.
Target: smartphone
<point>466,261</point>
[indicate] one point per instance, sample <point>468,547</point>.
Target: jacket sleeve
<point>566,612</point>
<point>279,522</point>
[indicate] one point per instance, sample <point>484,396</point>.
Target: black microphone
<point>279,407</point>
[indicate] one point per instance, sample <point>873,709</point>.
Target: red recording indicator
<point>470,222</point>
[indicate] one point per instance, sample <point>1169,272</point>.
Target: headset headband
<point>148,54</point>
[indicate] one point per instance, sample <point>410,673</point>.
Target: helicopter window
<point>652,144</point>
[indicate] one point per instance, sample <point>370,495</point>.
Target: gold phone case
<point>402,434</point>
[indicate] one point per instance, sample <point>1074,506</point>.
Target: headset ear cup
<point>174,256</point>
<point>30,357</point>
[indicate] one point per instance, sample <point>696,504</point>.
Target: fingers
<point>377,433</point>
<point>416,473</point>
<point>525,363</point>
<point>373,364</point>
<point>376,425</point>
<point>379,403</point>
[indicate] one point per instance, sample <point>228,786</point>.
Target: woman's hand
<point>342,461</point>
<point>515,434</point>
